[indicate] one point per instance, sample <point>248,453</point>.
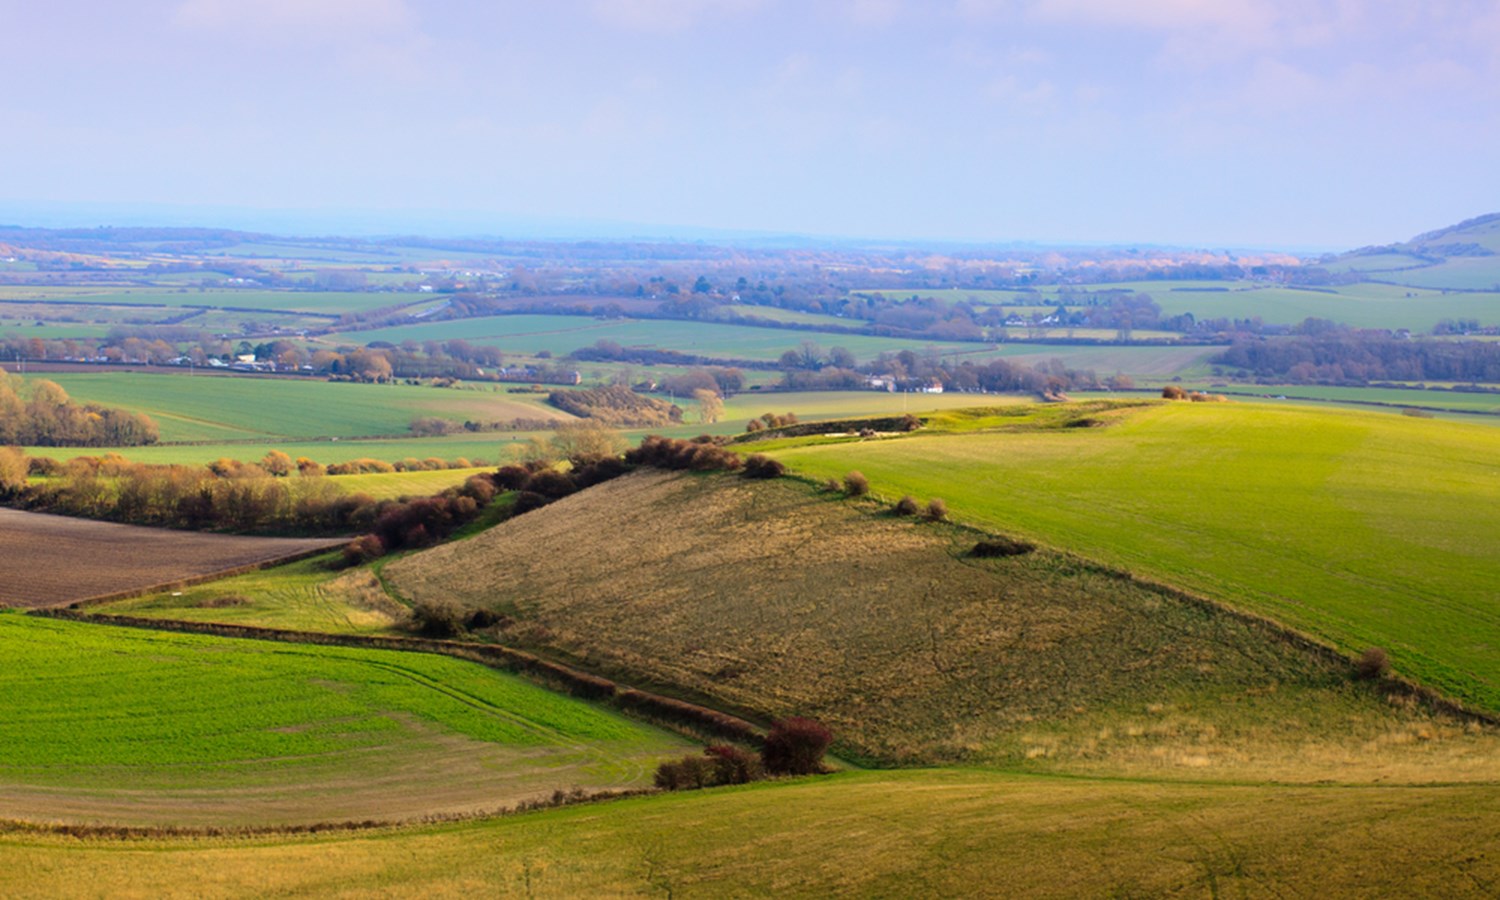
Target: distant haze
<point>1272,123</point>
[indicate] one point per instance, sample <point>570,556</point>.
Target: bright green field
<point>1378,265</point>
<point>300,596</point>
<point>563,334</point>
<point>268,731</point>
<point>776,314</point>
<point>1363,305</point>
<point>226,408</point>
<point>1362,528</point>
<point>323,302</point>
<point>390,485</point>
<point>1465,273</point>
<point>1457,401</point>
<point>929,833</point>
<point>488,447</point>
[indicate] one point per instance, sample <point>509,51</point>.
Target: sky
<point>1206,123</point>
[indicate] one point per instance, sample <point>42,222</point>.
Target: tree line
<point>48,417</point>
<point>1356,358</point>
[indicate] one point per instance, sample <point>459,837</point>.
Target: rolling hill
<point>773,599</point>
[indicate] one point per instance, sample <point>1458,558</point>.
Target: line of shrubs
<point>1173,392</point>
<point>794,746</point>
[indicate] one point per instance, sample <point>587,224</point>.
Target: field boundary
<point>577,682</point>
<point>158,832</point>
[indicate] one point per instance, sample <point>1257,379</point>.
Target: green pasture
<point>305,595</point>
<point>931,833</point>
<point>122,709</point>
<point>1379,307</point>
<point>814,405</point>
<point>326,303</point>
<point>492,448</point>
<point>1378,265</point>
<point>1475,273</point>
<point>791,316</point>
<point>51,331</point>
<point>561,335</point>
<point>1454,401</point>
<point>1417,302</point>
<point>219,408</point>
<point>368,254</point>
<point>393,485</point>
<point>1365,529</point>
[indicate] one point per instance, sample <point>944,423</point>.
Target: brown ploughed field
<point>56,560</point>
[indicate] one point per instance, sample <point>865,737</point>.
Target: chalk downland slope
<point>774,599</point>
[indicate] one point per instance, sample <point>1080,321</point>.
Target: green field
<point>1361,528</point>
<point>1418,307</point>
<point>1455,401</point>
<point>391,485</point>
<point>326,303</point>
<point>883,834</point>
<point>1378,307</point>
<point>227,408</point>
<point>140,727</point>
<point>791,316</point>
<point>299,596</point>
<point>1463,273</point>
<point>561,335</point>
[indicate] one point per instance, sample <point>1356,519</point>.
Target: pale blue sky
<point>1320,123</point>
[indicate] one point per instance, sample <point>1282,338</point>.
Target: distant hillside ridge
<point>1487,223</point>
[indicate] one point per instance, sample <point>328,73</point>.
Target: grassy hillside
<point>932,833</point>
<point>141,727</point>
<point>773,598</point>
<point>298,596</point>
<point>1363,528</point>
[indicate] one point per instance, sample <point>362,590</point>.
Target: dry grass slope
<point>887,834</point>
<point>770,598</point>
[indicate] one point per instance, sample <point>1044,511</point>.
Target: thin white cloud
<point>874,13</point>
<point>1158,14</point>
<point>667,16</point>
<point>297,18</point>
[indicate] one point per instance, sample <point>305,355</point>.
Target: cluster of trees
<point>1358,358</point>
<point>49,418</point>
<point>616,405</point>
<point>908,371</point>
<point>243,498</point>
<point>413,523</point>
<point>794,746</point>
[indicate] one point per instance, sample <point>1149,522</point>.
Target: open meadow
<point>919,833</point>
<point>1360,528</point>
<point>561,335</point>
<point>217,408</point>
<point>305,595</point>
<point>55,560</point>
<point>138,727</point>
